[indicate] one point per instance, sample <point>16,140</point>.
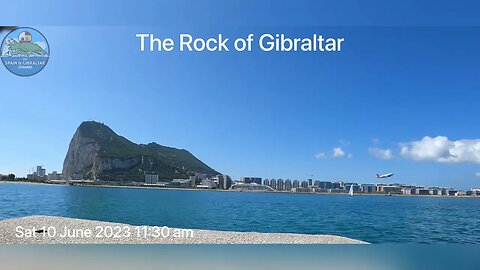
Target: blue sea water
<point>375,219</point>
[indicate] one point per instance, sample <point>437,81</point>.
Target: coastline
<point>51,230</point>
<point>221,190</point>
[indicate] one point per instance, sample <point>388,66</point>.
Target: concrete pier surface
<point>61,230</point>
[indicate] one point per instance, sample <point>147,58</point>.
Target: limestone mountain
<point>97,152</point>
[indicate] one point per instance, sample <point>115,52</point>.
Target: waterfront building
<point>266,182</point>
<point>316,184</point>
<point>270,182</point>
<point>207,184</point>
<point>54,176</point>
<point>452,192</point>
<point>151,179</point>
<point>301,189</point>
<point>356,187</point>
<point>250,187</point>
<point>304,184</point>
<point>224,181</point>
<point>378,187</point>
<point>216,179</point>
<point>288,185</point>
<point>197,178</point>
<point>336,185</point>
<point>409,190</point>
<point>38,175</point>
<point>249,180</point>
<point>280,184</point>
<point>163,184</point>
<point>41,171</point>
<point>422,191</point>
<point>295,184</point>
<point>193,181</point>
<point>389,189</point>
<point>310,182</point>
<point>273,183</point>
<point>367,188</point>
<point>325,185</point>
<point>393,190</point>
<point>181,183</point>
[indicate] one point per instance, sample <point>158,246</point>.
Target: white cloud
<point>380,153</point>
<point>338,152</point>
<point>375,141</point>
<point>477,174</point>
<point>441,149</point>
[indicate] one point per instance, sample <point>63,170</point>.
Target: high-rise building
<point>273,183</point>
<point>304,184</point>
<point>266,182</point>
<point>337,185</point>
<point>310,182</point>
<point>224,181</point>
<point>41,171</point>
<point>280,184</point>
<point>295,184</point>
<point>325,185</point>
<point>288,185</point>
<point>39,174</point>
<point>316,183</point>
<point>249,180</point>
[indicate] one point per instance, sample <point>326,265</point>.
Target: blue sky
<point>406,71</point>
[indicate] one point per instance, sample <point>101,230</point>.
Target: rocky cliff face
<point>84,162</point>
<point>96,152</point>
<point>80,158</point>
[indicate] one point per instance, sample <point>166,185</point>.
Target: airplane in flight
<point>387,175</point>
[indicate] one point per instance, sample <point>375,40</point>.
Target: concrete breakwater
<point>60,230</point>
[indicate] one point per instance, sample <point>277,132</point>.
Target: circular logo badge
<point>25,51</point>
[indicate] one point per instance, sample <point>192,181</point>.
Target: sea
<point>375,219</point>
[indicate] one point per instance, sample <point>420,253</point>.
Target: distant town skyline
<point>42,174</point>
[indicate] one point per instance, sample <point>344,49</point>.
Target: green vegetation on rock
<point>96,151</point>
